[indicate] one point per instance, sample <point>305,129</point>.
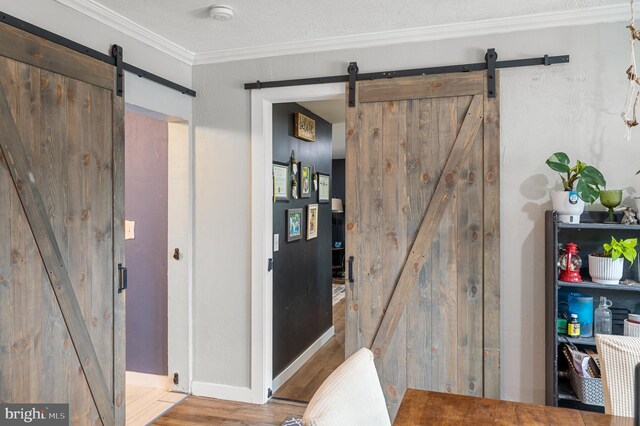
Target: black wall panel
<point>302,269</point>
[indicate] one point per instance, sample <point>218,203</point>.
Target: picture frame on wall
<point>305,181</point>
<point>304,127</point>
<point>324,188</point>
<point>281,182</point>
<point>294,224</point>
<point>312,221</point>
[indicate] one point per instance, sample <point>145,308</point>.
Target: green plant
<point>622,248</point>
<point>589,179</point>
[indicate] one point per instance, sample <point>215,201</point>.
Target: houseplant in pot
<point>581,184</point>
<point>606,268</point>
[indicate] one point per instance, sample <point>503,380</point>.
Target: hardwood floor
<point>301,387</point>
<point>306,381</point>
<point>208,411</point>
<point>145,404</point>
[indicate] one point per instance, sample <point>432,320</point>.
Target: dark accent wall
<point>146,167</point>
<point>302,293</point>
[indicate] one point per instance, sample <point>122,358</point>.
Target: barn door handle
<point>123,278</point>
<point>351,269</point>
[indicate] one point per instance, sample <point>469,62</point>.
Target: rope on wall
<point>631,109</point>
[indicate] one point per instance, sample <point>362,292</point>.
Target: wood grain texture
<point>56,170</point>
<point>145,404</point>
<point>435,212</point>
<point>420,87</point>
<point>306,381</point>
<point>118,323</point>
<point>208,411</point>
<point>491,269</point>
<point>353,325</point>
<point>41,53</point>
<point>423,407</point>
<point>469,226</point>
<point>420,203</point>
<point>443,272</point>
<point>24,181</point>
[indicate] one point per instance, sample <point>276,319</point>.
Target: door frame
<point>180,227</point>
<point>262,224</point>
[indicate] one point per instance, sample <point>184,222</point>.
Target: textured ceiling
<point>274,22</point>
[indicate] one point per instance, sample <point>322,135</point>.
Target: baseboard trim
<point>148,380</point>
<point>229,393</point>
<point>299,362</point>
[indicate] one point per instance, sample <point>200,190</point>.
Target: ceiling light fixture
<point>221,12</point>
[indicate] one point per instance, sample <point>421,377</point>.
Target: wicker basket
<point>631,329</point>
<point>589,390</point>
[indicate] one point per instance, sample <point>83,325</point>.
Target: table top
<point>424,408</point>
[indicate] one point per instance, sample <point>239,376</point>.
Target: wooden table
<point>425,408</point>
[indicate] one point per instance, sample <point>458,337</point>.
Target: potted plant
<point>581,185</point>
<point>606,268</point>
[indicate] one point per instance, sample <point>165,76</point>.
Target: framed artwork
<point>305,181</point>
<point>312,221</point>
<point>294,224</point>
<point>304,127</point>
<point>281,181</point>
<point>324,183</point>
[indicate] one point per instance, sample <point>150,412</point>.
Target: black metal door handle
<point>123,278</point>
<point>351,269</point>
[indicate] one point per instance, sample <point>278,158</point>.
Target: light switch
<point>129,229</point>
<point>276,242</point>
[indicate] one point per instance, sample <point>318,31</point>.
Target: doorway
<point>308,308</point>
<point>150,166</point>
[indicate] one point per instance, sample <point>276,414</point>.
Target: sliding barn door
<point>422,166</point>
<point>61,196</point>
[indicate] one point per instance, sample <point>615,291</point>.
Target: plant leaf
<point>559,162</point>
<point>593,175</point>
<point>587,193</point>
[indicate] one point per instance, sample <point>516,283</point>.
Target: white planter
<point>604,270</point>
<point>569,209</point>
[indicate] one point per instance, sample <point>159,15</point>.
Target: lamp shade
<point>336,205</point>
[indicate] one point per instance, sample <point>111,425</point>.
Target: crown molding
<point>126,26</point>
<point>587,16</point>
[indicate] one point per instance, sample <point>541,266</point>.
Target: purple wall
<point>146,156</point>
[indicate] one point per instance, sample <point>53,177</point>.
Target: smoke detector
<point>221,12</point>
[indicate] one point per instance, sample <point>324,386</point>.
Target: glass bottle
<point>603,322</point>
<point>573,328</point>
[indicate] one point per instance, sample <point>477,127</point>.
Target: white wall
<point>572,107</point>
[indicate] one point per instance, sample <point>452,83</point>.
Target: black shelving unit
<point>589,235</point>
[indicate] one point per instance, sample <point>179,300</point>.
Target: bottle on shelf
<point>573,328</point>
<point>603,320</point>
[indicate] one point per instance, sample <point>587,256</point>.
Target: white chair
<point>351,395</point>
<point>619,356</point>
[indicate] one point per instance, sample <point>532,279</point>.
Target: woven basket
<point>631,329</point>
<point>589,390</point>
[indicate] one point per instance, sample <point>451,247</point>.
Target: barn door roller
<point>491,64</point>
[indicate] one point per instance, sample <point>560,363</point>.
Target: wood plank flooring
<point>208,411</point>
<point>301,387</point>
<point>306,381</point>
<point>145,404</point>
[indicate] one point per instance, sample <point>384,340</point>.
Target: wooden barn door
<point>422,193</point>
<point>61,199</point>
